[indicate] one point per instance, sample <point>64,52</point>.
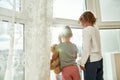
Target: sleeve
<point>86,47</point>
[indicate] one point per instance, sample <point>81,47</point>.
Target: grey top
<point>67,53</point>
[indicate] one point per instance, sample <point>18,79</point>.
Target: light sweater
<point>91,45</point>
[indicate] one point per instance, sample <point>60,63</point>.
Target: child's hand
<point>82,67</point>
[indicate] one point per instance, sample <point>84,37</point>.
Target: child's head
<point>66,32</point>
<point>87,19</point>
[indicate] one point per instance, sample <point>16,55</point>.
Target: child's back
<point>67,54</point>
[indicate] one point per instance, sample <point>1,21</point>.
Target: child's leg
<point>71,73</point>
<point>66,73</point>
<point>76,73</point>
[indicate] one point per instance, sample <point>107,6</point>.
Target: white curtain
<point>37,39</point>
<point>10,64</point>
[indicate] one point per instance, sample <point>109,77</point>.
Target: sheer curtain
<point>37,17</point>
<point>37,42</point>
<point>10,61</point>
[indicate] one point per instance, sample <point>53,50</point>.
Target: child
<point>67,55</point>
<point>91,60</point>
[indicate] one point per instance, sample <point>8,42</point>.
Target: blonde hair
<point>66,32</point>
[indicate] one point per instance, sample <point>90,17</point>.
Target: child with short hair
<point>91,60</point>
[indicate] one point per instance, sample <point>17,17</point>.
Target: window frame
<point>19,15</point>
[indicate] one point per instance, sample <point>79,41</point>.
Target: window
<point>8,4</point>
<point>110,39</point>
<point>68,9</point>
<point>18,61</point>
<point>110,10</point>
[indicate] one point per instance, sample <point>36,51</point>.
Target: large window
<point>18,55</point>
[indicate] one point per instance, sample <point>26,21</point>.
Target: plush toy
<point>55,62</point>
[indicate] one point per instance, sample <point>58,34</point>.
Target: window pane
<point>8,4</point>
<point>68,9</point>
<point>18,68</point>
<point>110,10</point>
<point>110,40</point>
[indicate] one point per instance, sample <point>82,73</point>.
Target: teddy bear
<point>55,62</point>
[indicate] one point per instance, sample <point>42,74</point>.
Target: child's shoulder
<point>88,28</point>
<point>73,44</point>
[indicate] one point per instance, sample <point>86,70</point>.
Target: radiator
<point>116,66</point>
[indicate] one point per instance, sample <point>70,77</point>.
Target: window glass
<point>110,40</point>
<point>68,9</point>
<point>110,10</point>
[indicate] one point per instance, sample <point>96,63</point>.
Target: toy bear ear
<point>53,47</point>
<point>53,50</point>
